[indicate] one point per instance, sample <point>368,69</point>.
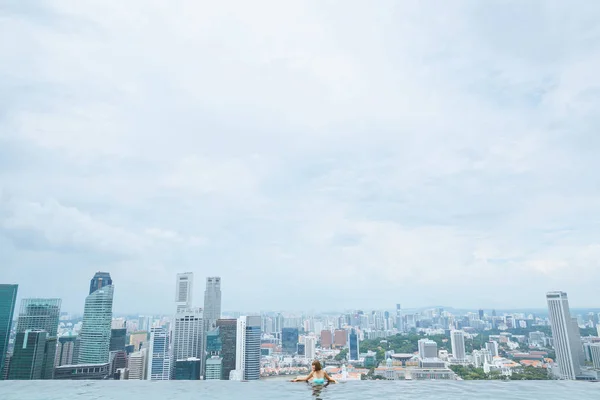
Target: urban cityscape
<point>40,341</point>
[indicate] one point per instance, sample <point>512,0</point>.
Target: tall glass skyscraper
<point>8,298</point>
<point>354,345</point>
<point>567,341</point>
<point>41,314</point>
<point>188,335</point>
<point>227,333</point>
<point>100,280</point>
<point>248,347</point>
<point>212,302</point>
<point>289,340</point>
<point>96,327</point>
<point>27,362</point>
<point>159,355</point>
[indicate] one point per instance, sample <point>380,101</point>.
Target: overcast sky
<point>314,154</point>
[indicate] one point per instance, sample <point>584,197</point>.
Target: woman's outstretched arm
<point>304,378</point>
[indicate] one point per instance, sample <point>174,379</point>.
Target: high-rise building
<point>492,347</point>
<point>214,345</point>
<point>458,345</point>
<point>326,339</point>
<point>188,370</point>
<point>137,365</point>
<point>340,338</point>
<point>188,335</point>
<point>183,290</point>
<point>8,299</point>
<point>212,302</point>
<point>100,280</point>
<point>353,343</point>
<point>214,368</point>
<point>228,335</point>
<point>27,362</point>
<point>289,340</point>
<point>43,315</point>
<point>427,348</point>
<point>65,350</point>
<point>566,339</point>
<point>248,347</point>
<point>595,354</point>
<point>96,327</point>
<point>480,314</point>
<point>399,321</point>
<point>159,355</point>
<point>310,347</point>
<point>118,339</point>
<point>137,339</point>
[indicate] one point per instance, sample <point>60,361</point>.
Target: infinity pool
<point>364,390</point>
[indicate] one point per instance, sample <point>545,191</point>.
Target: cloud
<point>307,153</point>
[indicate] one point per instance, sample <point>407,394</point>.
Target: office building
<point>248,347</point>
<point>566,339</point>
<point>492,347</point>
<point>118,339</point>
<point>97,318</point>
<point>228,336</point>
<point>27,362</point>
<point>289,340</point>
<point>458,346</point>
<point>137,364</point>
<point>188,370</point>
<point>183,291</point>
<point>8,299</point>
<point>137,339</point>
<point>118,360</point>
<point>188,334</point>
<point>214,345</point>
<point>340,338</point>
<point>159,355</point>
<point>353,343</point>
<point>427,348</point>
<point>399,320</point>
<point>214,368</point>
<point>65,350</point>
<point>212,302</point>
<point>310,344</point>
<point>43,315</point>
<point>595,355</point>
<point>326,339</point>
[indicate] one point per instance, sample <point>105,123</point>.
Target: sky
<point>317,155</point>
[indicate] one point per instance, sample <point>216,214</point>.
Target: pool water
<point>364,390</point>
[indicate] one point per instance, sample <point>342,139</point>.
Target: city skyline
<point>401,146</point>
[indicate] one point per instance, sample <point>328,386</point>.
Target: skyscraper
<point>188,335</point>
<point>458,345</point>
<point>247,362</point>
<point>8,299</point>
<point>41,314</point>
<point>566,339</point>
<point>399,322</point>
<point>137,364</point>
<point>118,339</point>
<point>212,302</point>
<point>289,340</point>
<point>27,362</point>
<point>159,355</point>
<point>65,351</point>
<point>96,327</point>
<point>228,335</point>
<point>100,280</point>
<point>427,348</point>
<point>183,290</point>
<point>309,347</point>
<point>353,343</point>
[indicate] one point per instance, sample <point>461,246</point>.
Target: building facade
<point>100,280</point>
<point>248,347</point>
<point>27,362</point>
<point>212,302</point>
<point>188,334</point>
<point>159,355</point>
<point>289,340</point>
<point>188,370</point>
<point>96,327</point>
<point>458,346</point>
<point>566,339</point>
<point>183,290</point>
<point>228,336</point>
<point>8,299</point>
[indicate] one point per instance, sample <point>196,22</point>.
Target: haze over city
<point>314,155</point>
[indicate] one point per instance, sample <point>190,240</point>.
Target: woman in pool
<point>317,375</point>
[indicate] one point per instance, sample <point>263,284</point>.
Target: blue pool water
<point>365,390</point>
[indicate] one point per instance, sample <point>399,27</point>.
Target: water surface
<point>364,390</point>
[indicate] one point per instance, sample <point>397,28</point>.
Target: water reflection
<point>317,389</point>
